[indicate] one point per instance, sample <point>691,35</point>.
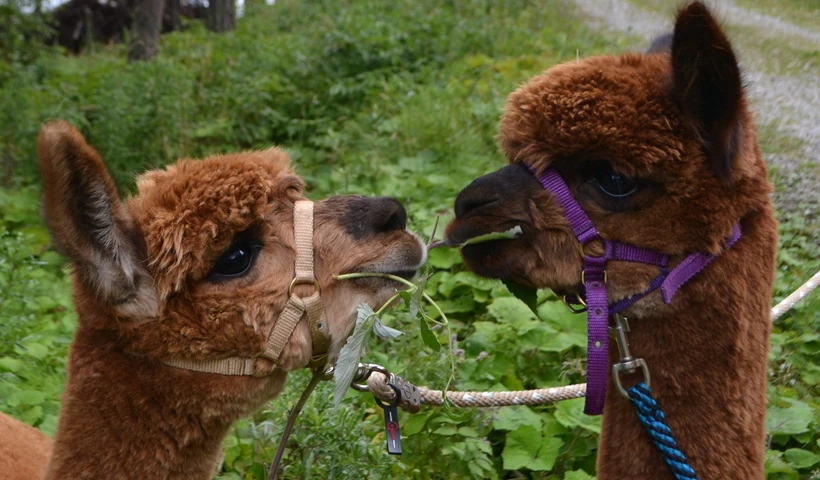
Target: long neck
<point>125,417</point>
<point>707,360</point>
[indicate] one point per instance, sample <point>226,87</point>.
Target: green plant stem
<point>353,276</point>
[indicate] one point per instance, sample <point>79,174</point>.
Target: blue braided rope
<point>654,422</point>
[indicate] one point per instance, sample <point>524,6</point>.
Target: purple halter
<point>594,280</point>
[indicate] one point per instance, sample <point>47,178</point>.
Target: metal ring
<point>363,373</point>
<point>297,281</point>
<point>630,367</point>
<point>571,307</point>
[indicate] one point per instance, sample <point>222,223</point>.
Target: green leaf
<point>383,331</point>
<point>9,364</point>
<point>352,352</point>
<point>526,448</point>
<point>443,257</point>
<point>511,418</point>
<point>528,295</point>
<point>577,475</point>
<point>800,458</point>
<point>509,309</point>
<point>472,280</point>
<point>414,424</point>
<point>790,420</point>
<point>570,413</point>
<point>445,430</point>
<point>469,432</point>
<point>775,464</point>
<point>26,397</point>
<point>427,335</point>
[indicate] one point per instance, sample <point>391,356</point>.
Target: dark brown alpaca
<point>197,266</point>
<point>660,150</point>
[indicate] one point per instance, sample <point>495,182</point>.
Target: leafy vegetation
<point>385,98</point>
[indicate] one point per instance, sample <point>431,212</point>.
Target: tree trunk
<point>170,18</point>
<point>147,22</point>
<point>221,15</point>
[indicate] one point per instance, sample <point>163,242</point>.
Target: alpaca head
<point>197,265</point>
<point>659,149</point>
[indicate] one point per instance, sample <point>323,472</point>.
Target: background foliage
<point>394,98</point>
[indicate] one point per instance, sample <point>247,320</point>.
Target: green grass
<point>803,13</point>
<point>369,97</point>
<point>776,52</point>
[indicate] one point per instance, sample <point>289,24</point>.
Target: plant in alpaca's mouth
<point>368,321</point>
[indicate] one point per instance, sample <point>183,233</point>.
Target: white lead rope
<point>377,382</point>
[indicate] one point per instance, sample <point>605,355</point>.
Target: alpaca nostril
<point>466,202</point>
<point>389,215</point>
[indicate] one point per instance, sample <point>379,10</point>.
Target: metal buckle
<point>627,364</point>
<point>297,281</point>
<point>572,308</point>
<point>584,281</point>
<point>328,373</point>
<point>363,373</point>
<point>630,367</point>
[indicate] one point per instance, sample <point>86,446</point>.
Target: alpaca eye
<point>236,261</point>
<point>614,184</point>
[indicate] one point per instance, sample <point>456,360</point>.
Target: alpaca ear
<point>90,224</point>
<point>707,84</point>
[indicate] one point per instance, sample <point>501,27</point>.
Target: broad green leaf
<point>800,458</point>
<point>789,420</point>
<point>9,364</point>
<point>352,352</point>
<point>577,475</point>
<point>383,331</point>
<point>443,257</point>
<point>570,413</point>
<point>27,397</point>
<point>445,430</point>
<point>526,448</point>
<point>461,304</point>
<point>528,295</point>
<point>521,447</point>
<point>511,418</point>
<point>472,280</point>
<point>414,424</point>
<point>427,335</point>
<point>467,432</point>
<point>509,309</point>
<point>775,464</point>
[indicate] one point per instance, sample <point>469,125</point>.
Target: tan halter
<point>294,310</point>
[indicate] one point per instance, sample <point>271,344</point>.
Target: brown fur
<point>680,123</point>
<point>24,463</point>
<point>145,292</point>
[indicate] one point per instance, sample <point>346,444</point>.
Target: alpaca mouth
<point>403,263</point>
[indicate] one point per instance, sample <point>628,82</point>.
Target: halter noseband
<point>294,310</point>
<point>594,279</point>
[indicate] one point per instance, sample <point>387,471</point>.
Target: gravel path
<point>790,103</point>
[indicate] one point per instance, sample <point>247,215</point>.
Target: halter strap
<point>296,307</point>
<point>594,279</point>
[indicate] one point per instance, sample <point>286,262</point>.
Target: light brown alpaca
<point>197,266</point>
<point>660,150</point>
